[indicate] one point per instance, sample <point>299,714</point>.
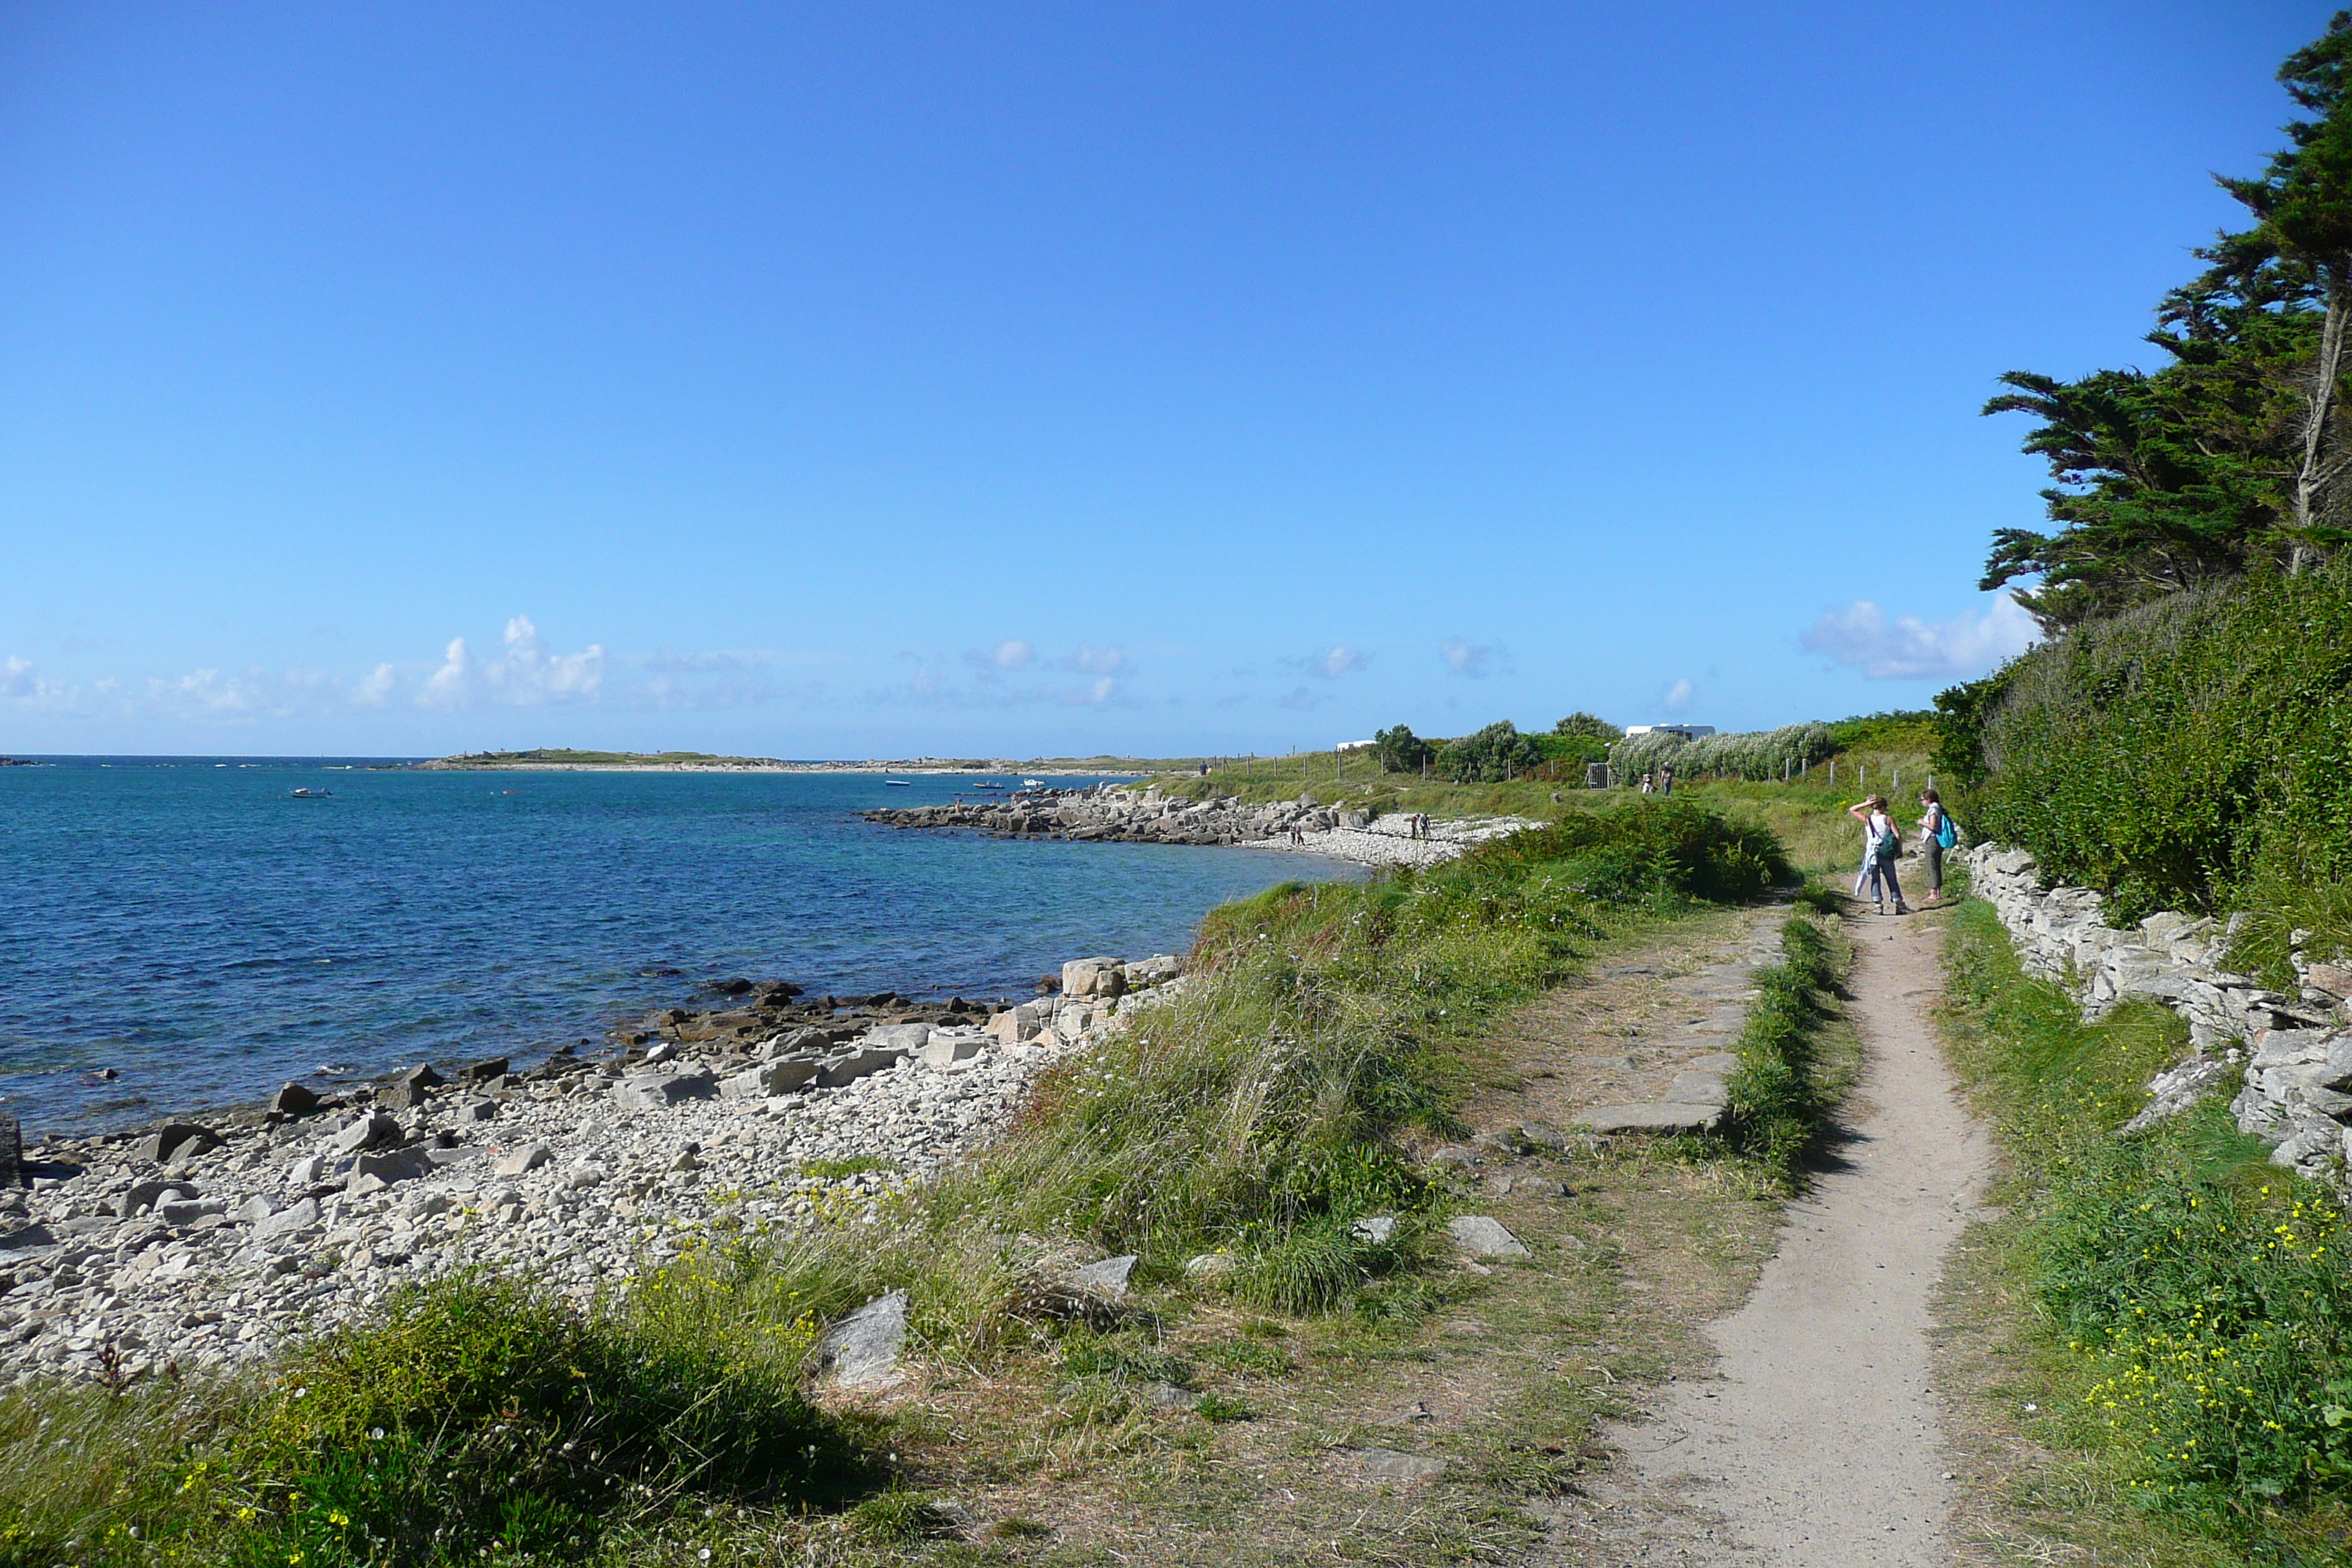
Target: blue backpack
<point>1946,836</point>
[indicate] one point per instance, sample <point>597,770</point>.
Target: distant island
<point>564,758</point>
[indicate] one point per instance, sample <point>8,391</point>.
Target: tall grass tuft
<point>1781,1102</point>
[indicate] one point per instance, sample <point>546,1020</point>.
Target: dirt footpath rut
<point>1818,1443</point>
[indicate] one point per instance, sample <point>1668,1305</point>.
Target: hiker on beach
<point>1881,844</point>
<point>1936,836</point>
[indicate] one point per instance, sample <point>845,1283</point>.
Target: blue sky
<point>858,379</point>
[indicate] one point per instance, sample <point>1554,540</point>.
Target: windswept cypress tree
<point>2236,455</point>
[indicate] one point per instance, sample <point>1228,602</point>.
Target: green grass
<point>854,1165</point>
<point>1781,1097</point>
<point>2192,1301</point>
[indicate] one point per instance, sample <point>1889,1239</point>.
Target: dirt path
<point>1817,1444</point>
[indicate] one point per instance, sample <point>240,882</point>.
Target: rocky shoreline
<point>1106,815</point>
<point>204,1243</point>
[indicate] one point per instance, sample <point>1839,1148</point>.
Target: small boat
<point>312,793</point>
<point>1033,783</point>
<point>988,787</point>
<point>899,783</point>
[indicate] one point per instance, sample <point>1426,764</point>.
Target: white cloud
<point>1010,654</point>
<point>1330,665</point>
<point>525,676</point>
<point>376,689</point>
<point>17,677</point>
<point>1099,660</point>
<point>1677,697</point>
<point>1474,661</point>
<point>1909,648</point>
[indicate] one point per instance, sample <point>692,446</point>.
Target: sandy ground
<point>1818,1444</point>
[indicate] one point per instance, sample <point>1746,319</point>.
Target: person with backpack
<point>1937,835</point>
<point>1881,846</point>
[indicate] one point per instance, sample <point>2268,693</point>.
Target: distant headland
<point>565,759</point>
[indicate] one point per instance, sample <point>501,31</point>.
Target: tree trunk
<point>2317,407</point>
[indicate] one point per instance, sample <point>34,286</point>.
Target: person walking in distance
<point>1936,836</point>
<point>1880,845</point>
<point>1666,779</point>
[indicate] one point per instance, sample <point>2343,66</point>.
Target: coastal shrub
<point>2197,1298</point>
<point>470,1418</point>
<point>2194,754</point>
<point>1399,751</point>
<point>1756,755</point>
<point>1493,754</point>
<point>1915,730</point>
<point>1588,726</point>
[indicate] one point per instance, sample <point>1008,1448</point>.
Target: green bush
<point>467,1419</point>
<point>2195,753</point>
<point>1589,727</point>
<point>1399,751</point>
<point>1755,755</point>
<point>1495,753</point>
<point>1911,729</point>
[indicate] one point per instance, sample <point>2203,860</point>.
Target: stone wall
<point>2294,1050</point>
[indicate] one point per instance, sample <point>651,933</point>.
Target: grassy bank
<point>2176,1381</point>
<point>1330,1031</point>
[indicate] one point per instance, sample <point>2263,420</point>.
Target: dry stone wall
<point>2295,1051</point>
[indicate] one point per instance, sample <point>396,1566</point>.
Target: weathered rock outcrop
<point>2294,1050</point>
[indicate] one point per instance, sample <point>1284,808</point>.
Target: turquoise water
<point>206,936</point>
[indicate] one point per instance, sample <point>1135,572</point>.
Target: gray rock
<point>306,1172</point>
<point>145,1196</point>
<point>1387,1465</point>
<point>475,1111</point>
<point>287,1221</point>
<point>294,1099</point>
<point>373,1129</point>
<point>423,1075</point>
<point>1103,978</point>
<point>1542,1135</point>
<point>1376,1229</point>
<point>659,1091</point>
<point>425,1206</point>
<point>1698,1089</point>
<point>769,1079</point>
<point>375,1171</point>
<point>1107,1277</point>
<point>255,1209</point>
<point>945,1050</point>
<point>1483,1237</point>
<point>1665,1117</point>
<point>177,1140</point>
<point>12,1150</point>
<point>584,1175</point>
<point>856,1065</point>
<point>1211,1266</point>
<point>897,1037</point>
<point>530,1157</point>
<point>861,1350</point>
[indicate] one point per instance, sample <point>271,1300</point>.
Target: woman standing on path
<point>1931,842</point>
<point>1880,846</point>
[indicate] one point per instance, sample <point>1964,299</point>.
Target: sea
<point>179,933</point>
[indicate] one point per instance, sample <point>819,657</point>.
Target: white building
<point>1687,731</point>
